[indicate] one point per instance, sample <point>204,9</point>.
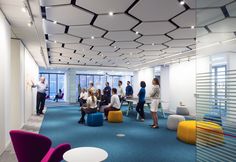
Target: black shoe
<point>81,121</point>
<point>38,114</point>
<point>41,113</point>
<point>151,125</point>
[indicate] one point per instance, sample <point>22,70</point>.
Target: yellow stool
<point>115,116</point>
<point>209,133</point>
<point>186,131</point>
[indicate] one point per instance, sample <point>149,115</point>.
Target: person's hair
<point>114,90</point>
<point>60,90</point>
<point>99,92</point>
<point>107,83</point>
<point>120,81</point>
<point>92,95</point>
<point>128,82</point>
<point>142,84</point>
<point>91,83</point>
<point>156,81</point>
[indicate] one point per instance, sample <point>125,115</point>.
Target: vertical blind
<point>216,107</point>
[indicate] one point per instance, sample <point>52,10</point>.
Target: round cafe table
<point>85,154</point>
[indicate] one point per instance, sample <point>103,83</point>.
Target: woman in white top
<point>155,100</point>
<point>115,103</point>
<point>83,97</point>
<point>91,107</point>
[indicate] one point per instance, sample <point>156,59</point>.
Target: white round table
<point>85,154</point>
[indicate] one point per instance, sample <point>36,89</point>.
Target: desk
<point>147,102</point>
<point>85,154</point>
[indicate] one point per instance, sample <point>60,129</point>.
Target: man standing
<point>120,91</point>
<point>41,95</point>
<point>107,93</point>
<point>129,90</point>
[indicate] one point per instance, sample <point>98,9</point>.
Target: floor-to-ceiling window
<point>55,81</point>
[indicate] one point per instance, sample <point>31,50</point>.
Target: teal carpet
<point>140,143</point>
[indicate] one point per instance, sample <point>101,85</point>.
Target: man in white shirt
<point>115,103</point>
<point>83,97</point>
<point>41,95</point>
<point>120,91</point>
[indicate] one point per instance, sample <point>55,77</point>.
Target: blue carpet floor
<point>140,143</point>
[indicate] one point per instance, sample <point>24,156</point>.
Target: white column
<point>70,84</point>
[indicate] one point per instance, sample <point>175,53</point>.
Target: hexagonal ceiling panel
<point>151,47</point>
<point>116,22</point>
<point>211,3</point>
<point>182,33</point>
<point>226,25</point>
<point>52,44</point>
<point>157,39</point>
<point>105,6</point>
<point>105,49</point>
<point>54,2</point>
<point>131,50</point>
<point>126,44</point>
<point>214,37</point>
<point>77,46</point>
<point>180,42</point>
<point>189,15</point>
<point>85,31</point>
<point>51,28</point>
<point>71,15</point>
<point>154,28</point>
<point>201,32</point>
<point>64,38</point>
<point>62,50</point>
<point>231,9</point>
<point>176,50</point>
<point>97,42</point>
<point>208,16</point>
<point>121,35</point>
<point>146,10</point>
<point>151,53</point>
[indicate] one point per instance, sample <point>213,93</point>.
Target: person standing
<point>129,90</point>
<point>107,93</point>
<point>141,100</point>
<point>155,100</point>
<point>114,105</point>
<point>91,87</point>
<point>41,95</point>
<point>120,91</point>
<point>91,107</point>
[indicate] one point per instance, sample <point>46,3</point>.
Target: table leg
<point>129,107</point>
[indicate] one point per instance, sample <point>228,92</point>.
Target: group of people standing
<point>112,98</point>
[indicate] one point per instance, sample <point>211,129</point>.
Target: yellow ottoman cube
<point>115,116</point>
<point>209,133</point>
<point>186,131</point>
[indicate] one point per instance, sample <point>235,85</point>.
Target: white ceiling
<point>140,32</point>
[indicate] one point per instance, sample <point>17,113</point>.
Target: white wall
<point>143,75</point>
<point>182,85</point>
<point>4,81</point>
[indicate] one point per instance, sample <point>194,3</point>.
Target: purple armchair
<point>32,147</point>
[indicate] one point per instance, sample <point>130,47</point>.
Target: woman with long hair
<point>155,100</point>
<point>89,107</point>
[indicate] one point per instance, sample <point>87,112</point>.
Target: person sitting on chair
<point>58,95</point>
<point>83,97</point>
<point>89,107</point>
<point>115,103</point>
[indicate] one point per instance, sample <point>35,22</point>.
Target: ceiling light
<point>29,24</point>
<point>153,44</point>
<point>115,47</point>
<point>182,2</point>
<point>23,9</point>
<point>131,53</point>
<point>111,13</point>
<point>92,37</point>
<point>136,32</point>
<point>192,27</point>
<point>55,41</point>
<point>54,22</point>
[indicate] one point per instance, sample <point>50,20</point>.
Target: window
<point>89,79</point>
<point>83,81</point>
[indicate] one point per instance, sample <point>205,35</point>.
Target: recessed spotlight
<point>111,13</point>
<point>131,53</point>
<point>92,37</point>
<point>192,27</point>
<point>136,32</point>
<point>29,24</point>
<point>115,47</point>
<point>83,50</point>
<point>23,9</point>
<point>55,41</point>
<point>182,2</point>
<point>54,22</point>
<point>153,44</point>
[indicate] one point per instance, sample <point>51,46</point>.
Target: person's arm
<point>131,90</point>
<point>112,101</point>
<point>33,85</point>
<point>139,93</point>
<point>153,92</point>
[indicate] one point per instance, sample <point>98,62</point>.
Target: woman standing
<point>91,107</point>
<point>141,100</point>
<point>155,100</point>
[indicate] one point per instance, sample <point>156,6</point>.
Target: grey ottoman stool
<point>182,110</point>
<point>173,121</point>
